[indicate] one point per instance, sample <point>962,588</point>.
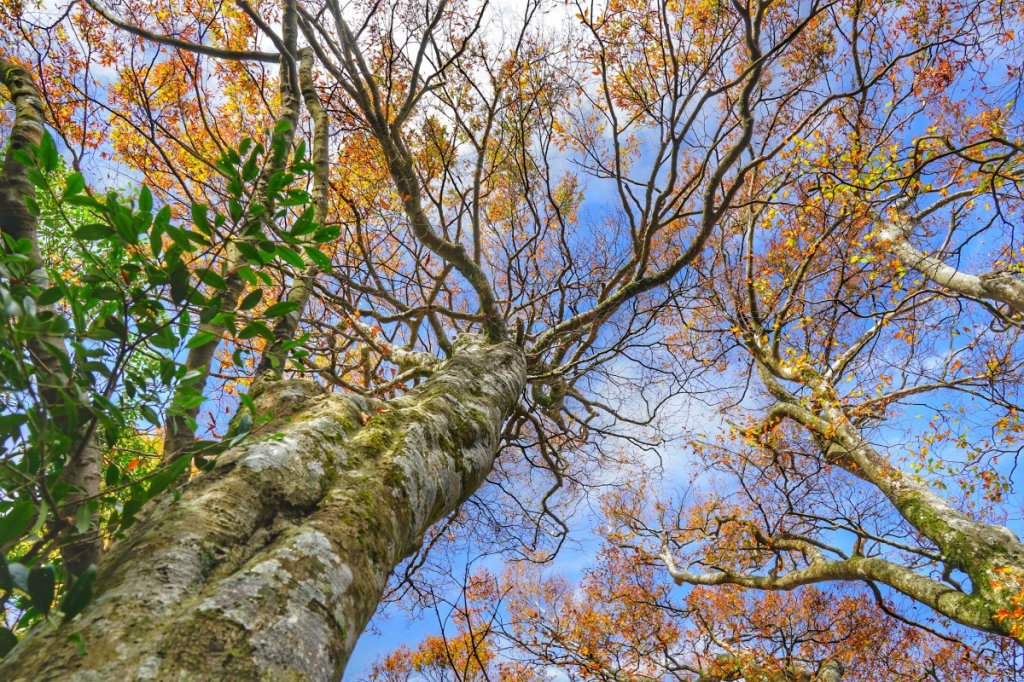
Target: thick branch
<point>16,221</point>
<point>963,608</point>
<point>1001,287</point>
<point>986,552</point>
<point>208,50</point>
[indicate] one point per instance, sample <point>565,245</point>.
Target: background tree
<point>850,328</point>
<point>622,622</point>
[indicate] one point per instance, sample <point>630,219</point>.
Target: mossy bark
<point>81,471</point>
<point>269,566</point>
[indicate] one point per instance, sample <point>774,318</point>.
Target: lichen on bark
<point>270,565</point>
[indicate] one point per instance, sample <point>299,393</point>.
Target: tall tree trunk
<point>273,360</point>
<point>269,566</point>
<point>180,427</point>
<point>81,471</point>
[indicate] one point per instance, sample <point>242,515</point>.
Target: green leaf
<point>106,293</point>
<point>281,308</point>
<point>256,328</point>
<point>48,153</point>
<point>145,200</point>
<point>150,415</point>
<point>250,169</point>
<point>327,234</point>
<point>165,478</point>
<point>305,223</point>
<point>78,640</point>
<point>246,274</point>
<point>74,185</point>
<point>279,180</point>
<point>50,296</point>
<point>41,583</point>
<point>211,278</point>
<point>180,238</point>
<point>79,594</point>
<point>9,423</point>
<point>251,299</point>
<point>156,235</point>
<point>319,258</point>
<point>113,474</point>
<point>83,516</point>
<point>200,218</point>
<point>19,575</point>
<point>23,157</point>
<point>166,339</point>
<point>251,253</point>
<point>201,339</point>
<point>179,281</point>
<point>186,400</point>
<point>16,521</point>
<point>282,126</point>
<point>296,197</point>
<point>86,201</point>
<point>243,425</point>
<point>93,232</point>
<point>130,509</point>
<point>289,256</point>
<point>37,178</point>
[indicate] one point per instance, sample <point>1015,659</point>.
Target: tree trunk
<point>81,471</point>
<point>269,566</point>
<point>180,429</point>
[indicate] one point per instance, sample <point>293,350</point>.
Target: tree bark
<point>269,566</point>
<point>180,428</point>
<point>997,286</point>
<point>992,556</point>
<point>81,470</point>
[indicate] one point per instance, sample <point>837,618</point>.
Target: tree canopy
<point>304,302</point>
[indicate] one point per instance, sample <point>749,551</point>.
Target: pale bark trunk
<point>180,429</point>
<point>991,555</point>
<point>269,566</point>
<point>273,361</point>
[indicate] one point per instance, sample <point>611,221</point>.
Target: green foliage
<point>92,348</point>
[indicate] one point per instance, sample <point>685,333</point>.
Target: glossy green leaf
<point>41,584</point>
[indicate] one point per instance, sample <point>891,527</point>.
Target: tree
<point>622,623</point>
<point>846,323</point>
<point>438,263</point>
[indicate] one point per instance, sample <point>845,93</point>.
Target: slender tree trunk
<point>273,360</point>
<point>180,428</point>
<point>269,566</point>
<point>81,472</point>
